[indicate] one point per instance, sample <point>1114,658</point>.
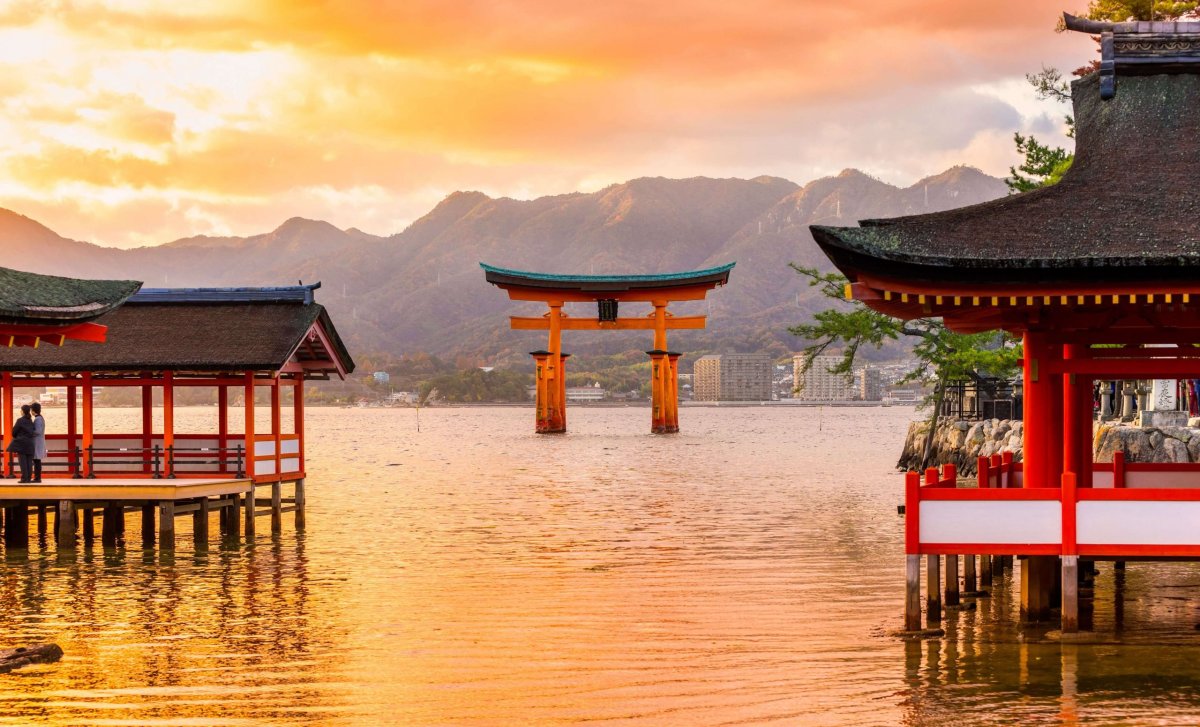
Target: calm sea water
<point>472,573</point>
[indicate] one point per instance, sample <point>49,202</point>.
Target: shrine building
<point>239,342</point>
<point>1100,277</point>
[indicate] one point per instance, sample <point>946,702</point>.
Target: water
<point>743,572</point>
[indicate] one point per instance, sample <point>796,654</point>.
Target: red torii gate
<point>607,291</point>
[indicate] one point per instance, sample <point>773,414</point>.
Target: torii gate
<point>607,291</point>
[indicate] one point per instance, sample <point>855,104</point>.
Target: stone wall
<point>961,443</point>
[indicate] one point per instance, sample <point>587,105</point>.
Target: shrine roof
<point>49,300</point>
<point>605,283</point>
<point>1127,211</point>
<point>183,330</point>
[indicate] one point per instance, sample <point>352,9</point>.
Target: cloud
<point>129,119</point>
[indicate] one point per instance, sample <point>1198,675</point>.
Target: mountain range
<point>422,289</point>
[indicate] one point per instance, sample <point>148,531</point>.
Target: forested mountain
<point>422,290</point>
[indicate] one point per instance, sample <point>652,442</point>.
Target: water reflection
<point>744,572</point>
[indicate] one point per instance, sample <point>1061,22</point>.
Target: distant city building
<point>381,377</point>
<point>403,397</point>
<point>870,384</point>
<point>818,383</point>
<point>732,377</point>
<point>586,393</point>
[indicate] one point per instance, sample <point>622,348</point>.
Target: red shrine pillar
<point>672,392</point>
<point>659,365</point>
<point>547,393</point>
<point>562,389</point>
<point>1043,457</point>
<point>1077,419</point>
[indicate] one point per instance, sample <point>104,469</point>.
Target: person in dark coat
<point>22,444</point>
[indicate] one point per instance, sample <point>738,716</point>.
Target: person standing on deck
<point>39,441</point>
<point>22,443</point>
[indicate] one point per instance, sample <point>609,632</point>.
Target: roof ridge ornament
<point>1141,47</point>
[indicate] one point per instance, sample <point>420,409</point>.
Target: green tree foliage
<point>944,354</point>
<point>1042,166</point>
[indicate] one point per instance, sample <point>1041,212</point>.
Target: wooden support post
<point>248,504</point>
<point>235,516</point>
<point>200,524</point>
<point>912,601</point>
<point>658,395</point>
<point>166,525</point>
<point>933,588</point>
<point>672,393</point>
<point>110,528</point>
<point>952,598</point>
<point>300,504</point>
<point>66,524</point>
<point>1037,581</point>
<point>89,526</point>
<point>276,508</point>
<point>1039,414</point>
<point>1070,594</point>
<point>148,526</point>
<point>969,582</point>
<point>551,380</point>
<point>16,527</point>
<point>88,406</point>
<point>985,571</point>
<point>41,521</point>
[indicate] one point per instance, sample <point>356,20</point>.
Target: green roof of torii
<point>504,276</point>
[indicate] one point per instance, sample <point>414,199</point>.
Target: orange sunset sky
<point>135,122</point>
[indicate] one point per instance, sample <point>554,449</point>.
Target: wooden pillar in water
<point>551,391</point>
<point>912,588</point>
<point>148,526</point>
<point>985,572</point>
<point>41,521</point>
<point>952,592</point>
<point>300,522</point>
<point>16,527</point>
<point>110,529</point>
<point>89,526</point>
<point>200,524</point>
<point>658,395</point>
<point>1070,594</point>
<point>969,583</point>
<point>933,588</point>
<point>66,524</point>
<point>672,394</point>
<point>166,525</point>
<point>277,463</point>
<point>251,465</point>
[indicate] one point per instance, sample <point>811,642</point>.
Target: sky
<point>131,122</point>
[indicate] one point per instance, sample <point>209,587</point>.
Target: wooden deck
<point>120,489</point>
<point>75,503</point>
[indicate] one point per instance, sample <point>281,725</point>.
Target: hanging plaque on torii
<point>608,292</point>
